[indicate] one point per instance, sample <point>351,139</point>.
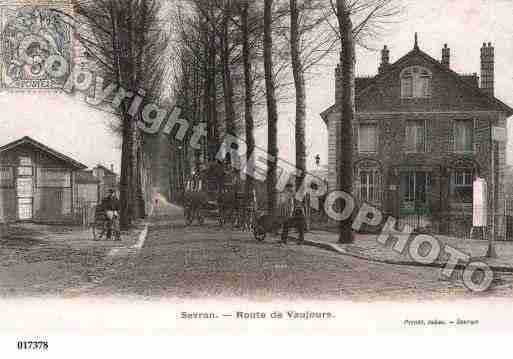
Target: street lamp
<point>498,135</point>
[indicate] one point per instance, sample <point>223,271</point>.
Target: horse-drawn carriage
<point>215,191</point>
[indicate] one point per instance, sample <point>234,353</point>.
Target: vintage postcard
<point>199,167</point>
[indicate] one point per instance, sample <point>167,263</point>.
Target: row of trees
<point>126,44</point>
<point>244,52</point>
<point>232,63</point>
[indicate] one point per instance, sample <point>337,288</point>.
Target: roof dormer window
<point>416,82</point>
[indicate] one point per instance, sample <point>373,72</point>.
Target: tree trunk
<point>272,111</point>
<point>248,100</point>
<point>347,101</point>
<point>212,93</point>
<point>127,159</point>
<point>127,173</point>
<point>299,83</point>
<point>227,74</point>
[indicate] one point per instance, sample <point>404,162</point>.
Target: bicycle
<point>103,226</point>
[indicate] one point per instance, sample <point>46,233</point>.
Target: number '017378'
<point>32,345</point>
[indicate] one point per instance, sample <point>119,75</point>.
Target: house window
<point>416,82</point>
<point>462,186</point>
<point>368,138</point>
<point>416,136</point>
<point>415,189</point>
<point>369,188</point>
<point>368,182</point>
<point>463,136</point>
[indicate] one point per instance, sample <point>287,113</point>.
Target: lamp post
<point>498,135</point>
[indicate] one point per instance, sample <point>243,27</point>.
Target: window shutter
<point>475,149</point>
<point>428,135</point>
<point>452,183</point>
<point>451,136</point>
<point>379,187</point>
<point>409,140</point>
<point>357,185</point>
<point>356,135</point>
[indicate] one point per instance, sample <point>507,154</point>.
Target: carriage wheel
<point>220,218</point>
<point>201,218</point>
<point>99,229</point>
<point>188,217</point>
<point>259,233</point>
<point>251,220</point>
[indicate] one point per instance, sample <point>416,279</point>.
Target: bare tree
<point>300,86</point>
<point>248,86</point>
<point>272,109</point>
<point>126,41</point>
<point>372,16</point>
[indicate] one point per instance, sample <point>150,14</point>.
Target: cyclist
<point>110,204</point>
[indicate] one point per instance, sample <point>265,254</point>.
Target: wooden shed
<point>37,183</point>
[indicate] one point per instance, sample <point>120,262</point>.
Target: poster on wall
<point>29,36</point>
<point>480,200</point>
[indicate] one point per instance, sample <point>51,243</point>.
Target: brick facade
<point>452,98</point>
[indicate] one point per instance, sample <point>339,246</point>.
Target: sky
<point>463,24</point>
<point>66,124</point>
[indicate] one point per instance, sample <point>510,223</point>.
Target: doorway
<point>25,192</point>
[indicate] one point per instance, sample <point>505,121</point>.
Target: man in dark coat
<point>110,204</point>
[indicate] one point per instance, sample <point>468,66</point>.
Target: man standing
<point>292,214</point>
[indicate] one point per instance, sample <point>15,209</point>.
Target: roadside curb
<point>142,237</point>
<point>133,248</point>
<point>337,249</point>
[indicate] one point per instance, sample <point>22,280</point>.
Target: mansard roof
<point>469,82</point>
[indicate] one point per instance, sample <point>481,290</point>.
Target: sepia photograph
<point>254,166</point>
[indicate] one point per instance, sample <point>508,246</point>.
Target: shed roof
<point>31,142</point>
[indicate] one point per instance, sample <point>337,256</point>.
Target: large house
<point>422,133</point>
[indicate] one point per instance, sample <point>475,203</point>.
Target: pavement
<point>170,260</point>
<point>207,261</point>
<point>40,259</point>
<point>367,247</point>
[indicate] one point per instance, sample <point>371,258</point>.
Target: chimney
<point>446,56</point>
<point>385,59</point>
<point>487,69</point>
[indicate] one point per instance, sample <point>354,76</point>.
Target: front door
<point>25,193</point>
<point>415,199</point>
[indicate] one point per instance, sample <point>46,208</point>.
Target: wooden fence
<point>84,213</point>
